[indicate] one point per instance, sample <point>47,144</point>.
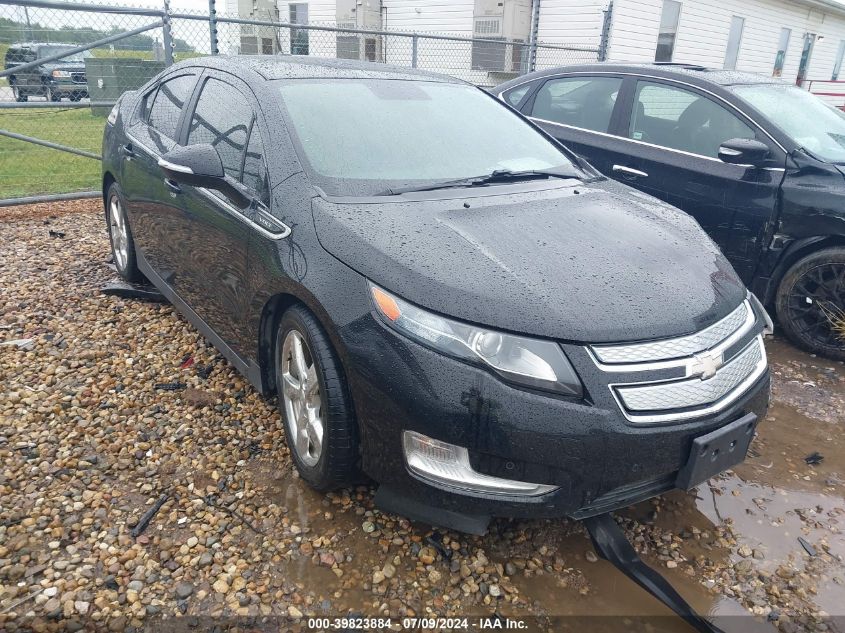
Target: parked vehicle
<point>480,322</point>
<point>758,162</point>
<point>64,77</point>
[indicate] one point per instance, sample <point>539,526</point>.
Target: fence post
<point>414,43</point>
<point>167,34</point>
<point>604,44</point>
<point>532,36</point>
<point>212,26</point>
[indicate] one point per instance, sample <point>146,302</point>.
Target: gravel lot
<point>115,404</point>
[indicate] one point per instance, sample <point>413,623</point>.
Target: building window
<point>783,46</point>
<point>734,42</point>
<point>298,37</point>
<point>266,46</point>
<point>668,31</point>
<point>837,66</point>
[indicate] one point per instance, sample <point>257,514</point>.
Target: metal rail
<point>50,197</point>
<point>79,6</point>
<point>50,144</point>
<point>15,105</point>
<point>20,68</point>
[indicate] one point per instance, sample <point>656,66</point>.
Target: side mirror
<point>200,166</point>
<point>744,151</point>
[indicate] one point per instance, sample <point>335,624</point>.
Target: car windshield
<point>362,136</point>
<point>49,51</point>
<point>806,119</point>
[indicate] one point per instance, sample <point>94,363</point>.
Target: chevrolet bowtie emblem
<point>705,365</point>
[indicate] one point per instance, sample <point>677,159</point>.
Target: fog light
<point>448,465</point>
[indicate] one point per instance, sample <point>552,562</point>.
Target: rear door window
<point>583,102</point>
<point>167,103</point>
<point>680,119</point>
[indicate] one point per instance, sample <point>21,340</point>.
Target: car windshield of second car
<point>809,121</point>
<point>378,136</point>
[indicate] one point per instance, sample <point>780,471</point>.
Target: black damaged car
<point>757,161</point>
<point>442,296</point>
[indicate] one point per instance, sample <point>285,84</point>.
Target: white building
<point>791,38</point>
<point>796,39</point>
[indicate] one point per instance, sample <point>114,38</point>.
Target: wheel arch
<point>108,180</point>
<point>271,315</point>
<point>796,251</point>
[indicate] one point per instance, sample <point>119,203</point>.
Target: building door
<point>806,55</point>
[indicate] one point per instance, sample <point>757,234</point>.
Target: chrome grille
<point>686,377</point>
<point>695,392</point>
<point>654,351</point>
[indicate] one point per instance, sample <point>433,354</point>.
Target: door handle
<point>128,150</point>
<point>172,185</point>
<point>629,172</point>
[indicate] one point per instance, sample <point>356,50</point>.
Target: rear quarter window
<point>165,107</point>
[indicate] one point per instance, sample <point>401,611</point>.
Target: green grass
<point>27,169</point>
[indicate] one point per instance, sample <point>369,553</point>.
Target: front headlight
<point>60,74</point>
<point>517,359</point>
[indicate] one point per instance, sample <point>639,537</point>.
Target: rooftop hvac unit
<point>359,14</point>
<point>508,21</point>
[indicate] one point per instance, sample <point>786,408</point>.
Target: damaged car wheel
<point>120,236</point>
<point>314,402</point>
<point>811,303</point>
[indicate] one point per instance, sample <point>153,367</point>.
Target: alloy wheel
<point>119,233</point>
<point>302,399</point>
<point>815,302</point>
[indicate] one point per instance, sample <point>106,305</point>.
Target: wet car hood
<point>604,264</point>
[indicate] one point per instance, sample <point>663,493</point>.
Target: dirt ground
<point>109,405</point>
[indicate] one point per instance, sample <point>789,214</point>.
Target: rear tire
<point>16,91</point>
<point>811,300</point>
<point>314,403</point>
<point>120,236</point>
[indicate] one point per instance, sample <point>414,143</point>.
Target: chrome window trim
<point>226,206</point>
<point>140,144</point>
<point>661,147</point>
<point>716,407</point>
<point>682,361</point>
<point>231,210</point>
<point>645,76</point>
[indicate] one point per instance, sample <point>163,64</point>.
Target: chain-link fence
<point>66,63</point>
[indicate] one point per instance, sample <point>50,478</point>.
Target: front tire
<point>53,95</point>
<point>811,303</point>
<point>314,402</point>
<point>120,236</point>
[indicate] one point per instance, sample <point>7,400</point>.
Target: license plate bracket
<point>717,451</point>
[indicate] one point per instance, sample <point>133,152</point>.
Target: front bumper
<point>597,459</point>
<point>70,85</point>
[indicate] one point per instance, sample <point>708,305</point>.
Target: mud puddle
<point>722,546</point>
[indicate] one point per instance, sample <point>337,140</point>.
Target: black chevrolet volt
<point>442,296</point>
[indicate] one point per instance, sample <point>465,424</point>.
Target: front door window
<point>683,120</point>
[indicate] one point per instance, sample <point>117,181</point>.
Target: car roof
<point>692,73</point>
<point>273,67</point>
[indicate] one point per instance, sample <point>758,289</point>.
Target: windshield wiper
<point>495,177</point>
